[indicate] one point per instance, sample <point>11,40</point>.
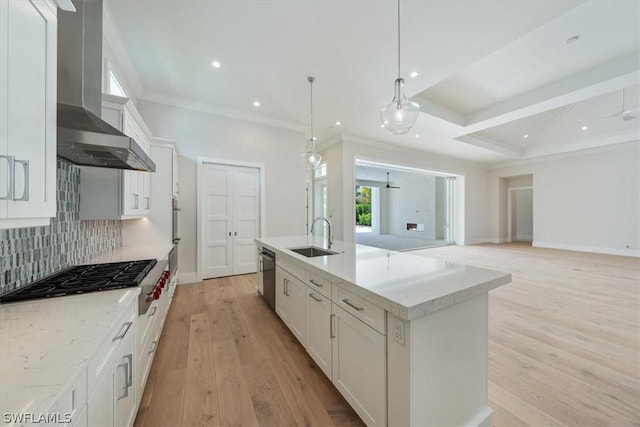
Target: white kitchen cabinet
<point>112,193</point>
<point>359,366</point>
<point>111,372</point>
<point>291,303</point>
<point>28,43</point>
<point>319,330</point>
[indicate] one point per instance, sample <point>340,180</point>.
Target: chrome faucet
<point>329,237</point>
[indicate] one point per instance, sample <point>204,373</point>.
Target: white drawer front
<point>296,270</point>
<point>319,284</point>
<point>360,308</point>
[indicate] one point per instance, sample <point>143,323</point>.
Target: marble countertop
<point>44,344</point>
<point>409,286</point>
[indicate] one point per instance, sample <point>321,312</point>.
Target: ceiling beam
<point>587,84</point>
<point>490,145</point>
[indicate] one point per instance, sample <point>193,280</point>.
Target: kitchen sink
<point>312,251</point>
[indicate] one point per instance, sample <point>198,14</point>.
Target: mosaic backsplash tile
<point>28,254</point>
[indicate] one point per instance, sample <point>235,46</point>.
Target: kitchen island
<point>402,337</point>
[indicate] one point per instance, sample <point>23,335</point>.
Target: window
<point>113,86</point>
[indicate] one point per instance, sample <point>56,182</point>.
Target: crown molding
<point>205,107</point>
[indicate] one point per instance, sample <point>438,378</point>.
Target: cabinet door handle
<point>315,298</point>
<point>154,345</point>
<point>121,335</point>
<point>153,311</point>
<point>286,287</point>
<point>11,164</point>
<point>146,203</point>
<point>316,283</point>
<point>129,358</point>
<point>125,388</point>
<point>349,303</point>
<point>229,234</point>
<point>25,192</point>
<point>261,267</point>
<point>331,325</point>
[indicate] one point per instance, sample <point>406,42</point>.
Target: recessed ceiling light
<point>338,123</point>
<point>216,64</point>
<point>413,74</point>
<point>526,135</point>
<point>256,103</point>
<point>417,135</point>
<point>572,39</point>
<point>381,125</point>
<point>584,127</point>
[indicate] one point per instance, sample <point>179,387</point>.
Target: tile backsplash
<point>28,254</point>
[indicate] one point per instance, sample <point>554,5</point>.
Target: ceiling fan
<point>388,184</point>
<point>625,115</point>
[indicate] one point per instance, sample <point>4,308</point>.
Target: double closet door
<point>231,209</point>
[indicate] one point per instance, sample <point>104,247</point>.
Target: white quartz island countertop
<point>409,286</point>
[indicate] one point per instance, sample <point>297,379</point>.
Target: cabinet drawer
<point>146,323</point>
<point>74,396</point>
<point>319,284</point>
<point>99,361</point>
<point>360,308</point>
<point>296,270</point>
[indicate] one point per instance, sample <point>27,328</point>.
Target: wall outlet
<point>397,330</point>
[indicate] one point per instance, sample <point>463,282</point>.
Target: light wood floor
<point>564,346</point>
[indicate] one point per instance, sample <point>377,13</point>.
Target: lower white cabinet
<point>112,393</point>
<point>359,366</point>
<point>319,330</point>
<point>348,346</point>
<point>291,303</point>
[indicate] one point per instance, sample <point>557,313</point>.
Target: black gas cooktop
<point>84,278</point>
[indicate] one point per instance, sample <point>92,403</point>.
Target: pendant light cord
<point>311,79</point>
<point>398,38</point>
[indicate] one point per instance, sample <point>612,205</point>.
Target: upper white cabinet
<point>112,193</point>
<point>28,49</point>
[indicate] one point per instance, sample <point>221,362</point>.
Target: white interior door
<point>217,206</point>
<point>246,218</point>
<point>231,210</point>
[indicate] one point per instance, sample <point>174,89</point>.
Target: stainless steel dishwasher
<point>268,272</point>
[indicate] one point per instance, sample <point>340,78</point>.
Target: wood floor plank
<point>236,407</point>
<point>166,405</point>
<point>201,393</point>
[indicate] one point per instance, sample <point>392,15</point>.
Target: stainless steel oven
<point>174,222</point>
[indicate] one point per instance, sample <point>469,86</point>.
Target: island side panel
<point>445,354</point>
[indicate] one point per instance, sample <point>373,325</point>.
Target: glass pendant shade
<point>310,157</point>
<point>399,116</point>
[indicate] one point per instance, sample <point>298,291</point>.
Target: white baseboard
<point>525,238</point>
<point>187,278</point>
<point>592,249</point>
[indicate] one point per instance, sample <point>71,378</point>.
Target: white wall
<point>413,202</point>
<point>472,226</point>
<point>208,135</point>
<point>588,201</point>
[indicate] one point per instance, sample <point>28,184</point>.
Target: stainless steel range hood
<point>83,137</point>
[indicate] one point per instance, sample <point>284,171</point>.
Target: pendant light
<point>399,116</point>
<point>310,157</point>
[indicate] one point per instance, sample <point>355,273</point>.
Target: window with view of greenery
<point>363,205</point>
